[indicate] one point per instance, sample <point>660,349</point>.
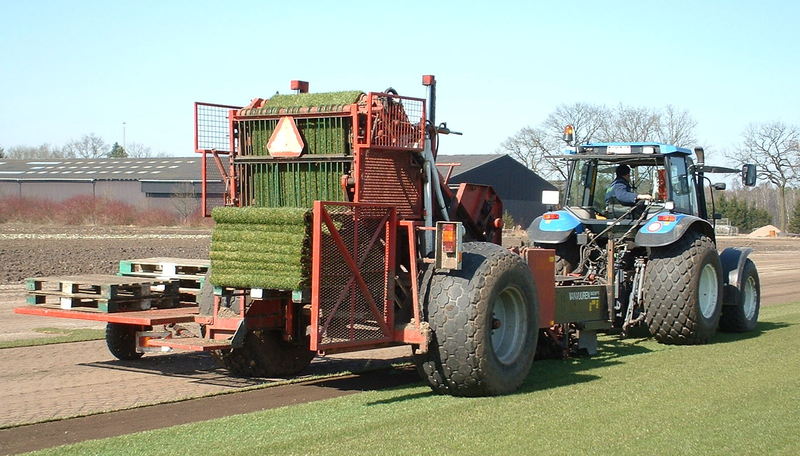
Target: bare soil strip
<point>55,433</point>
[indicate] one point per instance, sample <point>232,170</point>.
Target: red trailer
<point>398,256</point>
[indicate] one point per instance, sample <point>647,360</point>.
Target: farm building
<point>518,186</point>
<point>141,182</point>
<point>157,182</point>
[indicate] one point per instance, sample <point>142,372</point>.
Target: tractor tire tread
<point>456,362</point>
<point>733,318</point>
<point>671,277</point>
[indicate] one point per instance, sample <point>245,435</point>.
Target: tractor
<point>657,254</point>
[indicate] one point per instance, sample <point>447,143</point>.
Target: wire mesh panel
<point>352,275</point>
<point>211,127</point>
<point>396,122</point>
<point>391,177</point>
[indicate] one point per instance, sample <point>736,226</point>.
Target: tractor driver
<point>620,192</point>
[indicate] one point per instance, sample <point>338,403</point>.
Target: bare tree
<point>630,123</point>
<point>138,150</point>
<point>185,200</point>
<point>677,127</point>
<point>537,149</point>
<point>89,146</point>
<point>775,150</point>
<point>588,120</point>
<point>2,152</point>
<point>33,152</point>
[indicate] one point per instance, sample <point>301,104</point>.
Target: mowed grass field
<point>738,395</point>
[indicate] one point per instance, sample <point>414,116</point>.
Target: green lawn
<point>739,395</point>
<point>56,336</point>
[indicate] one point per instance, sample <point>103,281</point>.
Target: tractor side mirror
<point>749,175</point>
<point>720,186</point>
<point>717,216</point>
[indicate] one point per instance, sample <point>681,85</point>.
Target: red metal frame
<point>150,317</point>
<point>541,263</point>
<point>411,232</point>
<point>451,167</point>
<point>384,319</point>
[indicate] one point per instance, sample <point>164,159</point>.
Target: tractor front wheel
<point>266,354</point>
<point>683,291</point>
<point>484,320</point>
<point>743,316</point>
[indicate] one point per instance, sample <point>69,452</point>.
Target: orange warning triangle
<point>285,140</point>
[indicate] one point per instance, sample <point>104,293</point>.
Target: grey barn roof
<point>171,169</point>
<point>467,162</point>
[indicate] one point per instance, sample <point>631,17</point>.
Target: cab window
<point>681,185</point>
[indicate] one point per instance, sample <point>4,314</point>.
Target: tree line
<point>774,147</point>
<point>87,146</point>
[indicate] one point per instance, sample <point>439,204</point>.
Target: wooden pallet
<point>104,293</point>
<point>164,267</point>
<point>189,273</point>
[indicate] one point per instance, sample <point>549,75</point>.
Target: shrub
<point>89,210</point>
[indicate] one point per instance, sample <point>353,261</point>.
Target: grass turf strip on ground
<point>738,395</point>
<point>56,336</point>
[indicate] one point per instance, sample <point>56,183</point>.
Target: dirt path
<point>46,435</point>
<point>63,380</point>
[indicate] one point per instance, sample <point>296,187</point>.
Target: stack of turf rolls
<point>257,247</point>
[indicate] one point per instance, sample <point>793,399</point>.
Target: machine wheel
<point>567,255</point>
<point>683,291</point>
<point>744,315</point>
<point>484,320</point>
<point>266,354</point>
<point>121,341</point>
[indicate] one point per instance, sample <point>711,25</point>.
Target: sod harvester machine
<point>339,233</point>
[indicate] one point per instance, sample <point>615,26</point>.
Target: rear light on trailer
<point>550,216</point>
<point>666,218</point>
<point>449,238</point>
<point>448,245</point>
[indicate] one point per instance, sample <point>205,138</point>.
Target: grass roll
<point>255,247</point>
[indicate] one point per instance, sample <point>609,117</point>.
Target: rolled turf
<point>256,247</point>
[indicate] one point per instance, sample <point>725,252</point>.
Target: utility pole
<point>124,144</point>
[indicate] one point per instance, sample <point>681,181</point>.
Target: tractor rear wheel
<point>121,341</point>
<point>265,354</point>
<point>744,315</point>
<point>683,291</point>
<point>484,320</point>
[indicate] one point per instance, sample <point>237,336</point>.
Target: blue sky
<point>71,68</point>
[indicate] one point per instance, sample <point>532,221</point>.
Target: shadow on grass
<point>761,328</point>
<point>554,373</point>
<point>202,368</point>
<point>546,374</point>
